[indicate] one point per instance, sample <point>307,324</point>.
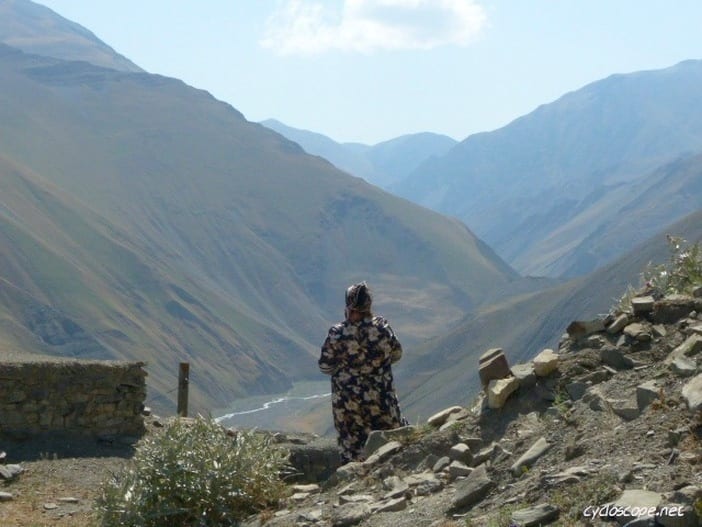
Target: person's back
<point>358,354</point>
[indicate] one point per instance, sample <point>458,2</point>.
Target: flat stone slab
<point>378,438</point>
<point>383,453</point>
<point>684,366</point>
<point>393,505</point>
<point>472,489</point>
<point>542,514</point>
<point>618,324</point>
<point>690,347</point>
<point>636,503</point>
<point>530,456</point>
<point>350,514</point>
<point>440,418</point>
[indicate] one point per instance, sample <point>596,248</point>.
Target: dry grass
<point>52,481</point>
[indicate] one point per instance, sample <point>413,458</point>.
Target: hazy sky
<point>371,70</point>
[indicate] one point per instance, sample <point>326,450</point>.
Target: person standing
<point>358,354</point>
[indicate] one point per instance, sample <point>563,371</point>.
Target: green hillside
<point>169,228</point>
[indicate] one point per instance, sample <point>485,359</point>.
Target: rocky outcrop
<point>604,429</point>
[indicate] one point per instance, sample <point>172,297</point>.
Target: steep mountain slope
<point>521,185</point>
<point>619,218</point>
<point>72,285</point>
<point>382,164</point>
<point>239,245</point>
<point>524,325</point>
<point>34,28</point>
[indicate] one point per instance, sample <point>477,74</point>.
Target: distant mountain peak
<point>36,29</point>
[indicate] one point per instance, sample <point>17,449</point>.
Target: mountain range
<point>143,219</point>
<point>545,190</point>
<point>154,222</point>
<point>382,164</point>
<point>548,190</point>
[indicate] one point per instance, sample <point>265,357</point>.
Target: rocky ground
<point>612,417</point>
<point>615,417</point>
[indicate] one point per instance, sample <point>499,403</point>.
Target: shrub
<point>680,274</point>
<point>193,474</point>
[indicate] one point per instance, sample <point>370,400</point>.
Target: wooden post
<point>183,379</point>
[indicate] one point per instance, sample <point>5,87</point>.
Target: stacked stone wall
<point>87,398</point>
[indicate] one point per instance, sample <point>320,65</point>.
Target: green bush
<point>193,474</point>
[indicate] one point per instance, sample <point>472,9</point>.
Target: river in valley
<point>306,407</point>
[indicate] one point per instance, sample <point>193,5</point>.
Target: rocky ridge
<point>608,428</point>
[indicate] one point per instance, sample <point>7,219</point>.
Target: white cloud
<point>305,27</point>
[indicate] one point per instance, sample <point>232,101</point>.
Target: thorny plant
<point>193,474</point>
<point>681,274</point>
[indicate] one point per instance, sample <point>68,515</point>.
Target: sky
<point>371,70</point>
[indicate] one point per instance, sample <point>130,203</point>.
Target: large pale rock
<point>472,489</point>
<point>441,417</point>
<point>493,365</point>
<point>618,324</point>
<point>499,390</point>
<point>530,456</point>
<point>692,393</point>
<point>545,363</point>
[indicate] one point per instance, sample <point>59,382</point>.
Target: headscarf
<point>359,298</point>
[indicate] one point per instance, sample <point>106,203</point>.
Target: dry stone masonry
<point>87,398</point>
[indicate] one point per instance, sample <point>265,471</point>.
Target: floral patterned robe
<point>358,358</point>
